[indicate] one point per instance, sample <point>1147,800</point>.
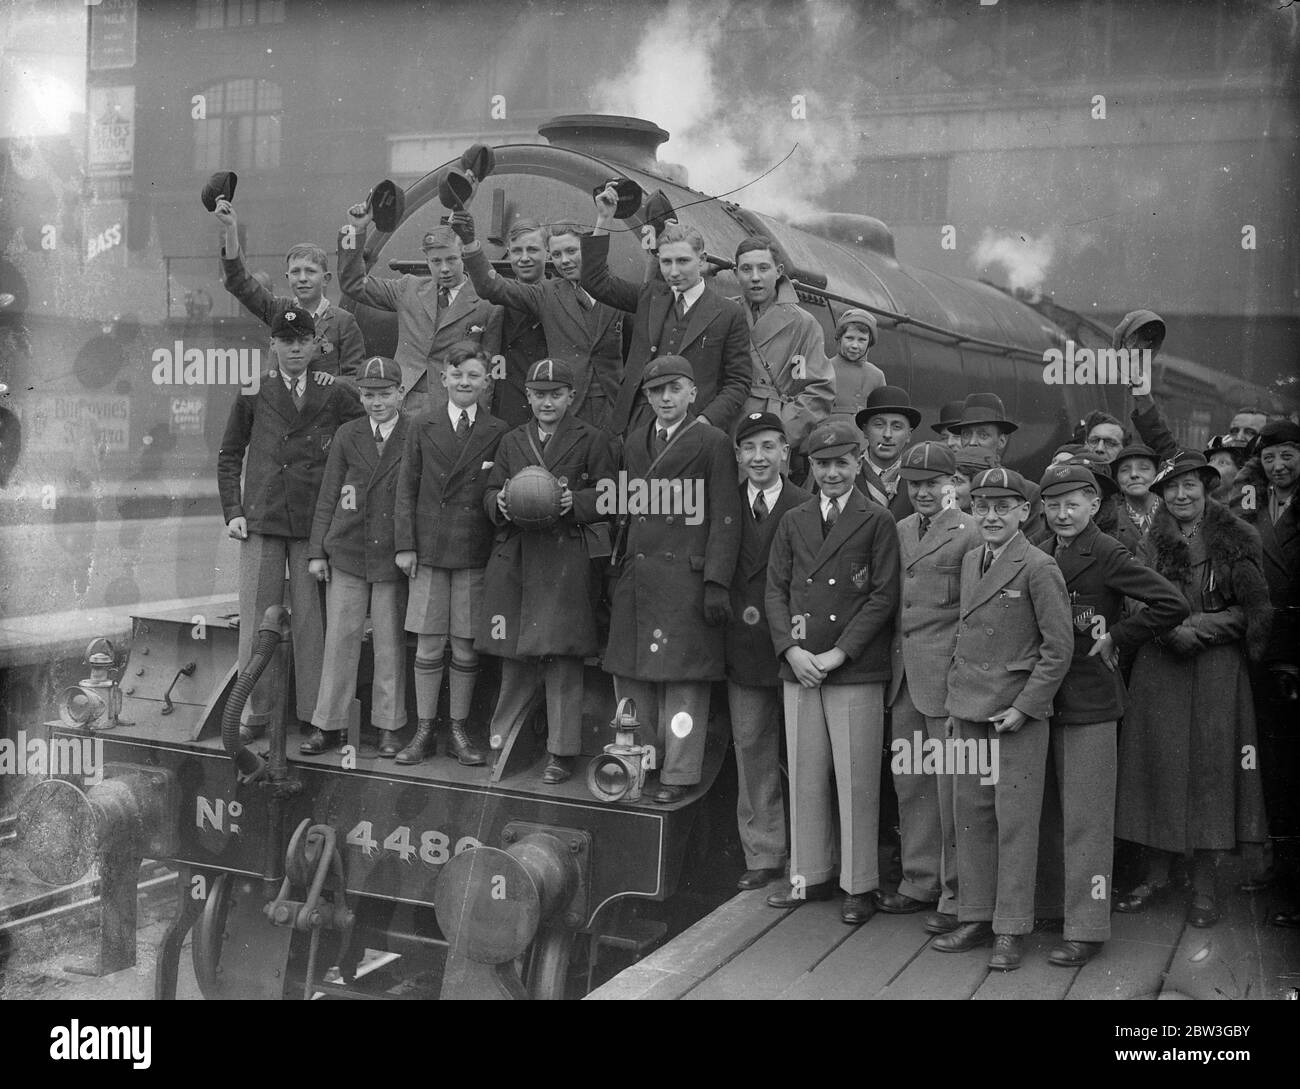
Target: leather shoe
<point>1202,912</point>
<point>896,903</point>
<point>794,897</point>
<point>462,748</point>
<point>390,745</point>
<point>1072,954</point>
<point>668,793</point>
<point>1140,898</point>
<point>756,879</point>
<point>967,936</point>
<point>423,744</point>
<point>857,908</point>
<point>1007,951</point>
<point>940,922</point>
<point>558,769</point>
<point>318,741</point>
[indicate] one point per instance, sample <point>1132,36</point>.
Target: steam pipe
<point>274,627</point>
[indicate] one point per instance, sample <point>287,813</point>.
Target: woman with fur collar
<point>1188,766</point>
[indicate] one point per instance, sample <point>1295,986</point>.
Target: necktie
<point>829,518</point>
<point>760,507</point>
<point>986,562</point>
<point>542,437</point>
<point>661,440</point>
<point>444,300</point>
<point>755,309</point>
<point>680,306</point>
<point>298,393</point>
<point>584,300</point>
<point>922,528</point>
<point>462,426</point>
<point>379,439</point>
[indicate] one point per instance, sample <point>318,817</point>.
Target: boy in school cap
<point>539,601</point>
<point>351,551</point>
<point>338,341</point>
<point>856,332</point>
<point>269,472</point>
<point>932,542</point>
<point>832,594</point>
<point>1014,642</point>
<point>1099,575</point>
<point>753,671</point>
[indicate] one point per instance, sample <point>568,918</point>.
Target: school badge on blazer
<point>860,573</point>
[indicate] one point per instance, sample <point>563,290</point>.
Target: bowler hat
<point>629,196</point>
<point>948,415</point>
<point>1000,481</point>
<point>984,408</point>
<point>1136,320</point>
<point>379,373</point>
<point>293,322</point>
<point>664,369</point>
<point>833,437</point>
<point>221,186</point>
<point>1187,461</point>
<point>927,460</point>
<point>856,316</point>
<point>884,399</point>
<point>387,203</point>
<point>548,374</point>
<point>754,422</point>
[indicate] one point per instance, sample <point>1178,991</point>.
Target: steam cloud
<point>1025,258</point>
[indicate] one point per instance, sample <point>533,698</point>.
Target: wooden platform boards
<point>747,950</point>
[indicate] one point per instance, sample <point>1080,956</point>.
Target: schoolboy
<point>1014,642</point>
<point>832,594</point>
<point>352,551</point>
<point>856,333</point>
<point>434,313</point>
<point>340,346</point>
<point>539,604</point>
<point>279,438</point>
<point>443,538</point>
<point>523,340</point>
<point>1099,574</point>
<point>753,672</point>
<point>672,597</point>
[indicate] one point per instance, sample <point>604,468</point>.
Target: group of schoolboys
<point>904,583</point>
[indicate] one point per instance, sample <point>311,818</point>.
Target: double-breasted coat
<point>929,601</point>
<point>844,587</point>
<point>1280,549</point>
<point>716,341</point>
<point>523,343</point>
<point>1014,635</point>
<point>425,332</point>
<point>588,340</point>
<point>657,626</point>
<point>540,581</point>
<point>751,659</point>
<point>281,451</point>
<point>439,511</point>
<point>353,526</point>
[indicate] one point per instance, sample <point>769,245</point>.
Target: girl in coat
<point>1186,780</point>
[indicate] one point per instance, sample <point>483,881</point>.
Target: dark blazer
<point>440,486</point>
<point>523,343</point>
<point>844,587</point>
<point>541,580</point>
<point>1014,636</point>
<point>657,626</point>
<point>286,451</point>
<point>716,342</point>
<point>339,341</point>
<point>751,658</point>
<point>1099,574</point>
<point>354,529</point>
<point>588,341</point>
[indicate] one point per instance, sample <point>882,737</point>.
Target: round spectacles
<point>1002,508</point>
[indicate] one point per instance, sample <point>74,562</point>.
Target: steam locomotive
<point>348,875</point>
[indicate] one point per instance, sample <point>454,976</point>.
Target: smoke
<point>728,127</point>
<point>1025,258</point>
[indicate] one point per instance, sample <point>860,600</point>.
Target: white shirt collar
<point>671,430</point>
<point>691,295</point>
<point>454,411</point>
<point>295,385</point>
<point>840,502</point>
<point>770,495</point>
<point>321,307</point>
<point>385,429</point>
<point>1001,548</point>
<point>452,292</point>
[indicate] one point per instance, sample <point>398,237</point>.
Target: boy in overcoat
<point>279,439</point>
<point>932,542</point>
<point>1014,641</point>
<point>753,672</point>
<point>433,314</point>
<point>443,538</point>
<point>1099,574</point>
<point>832,593</point>
<point>539,601</point>
<point>352,552</point>
<point>676,556</point>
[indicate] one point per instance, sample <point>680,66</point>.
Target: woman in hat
<point>1184,784</point>
<point>1228,455</point>
<point>1135,469</point>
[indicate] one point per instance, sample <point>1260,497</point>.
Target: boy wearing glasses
<point>1014,642</point>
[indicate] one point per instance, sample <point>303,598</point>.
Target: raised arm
<point>354,282</point>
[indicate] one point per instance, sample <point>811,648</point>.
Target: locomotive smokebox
<point>630,140</point>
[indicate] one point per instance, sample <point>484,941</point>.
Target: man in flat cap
<point>887,423</point>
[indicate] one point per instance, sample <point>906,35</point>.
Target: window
<point>242,127</point>
<point>215,14</point>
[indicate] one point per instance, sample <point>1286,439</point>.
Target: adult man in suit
<point>432,314</point>
<point>678,315</point>
<point>932,542</point>
<point>753,672</point>
<point>1014,643</point>
<point>673,598</point>
<point>583,334</point>
<point>887,423</point>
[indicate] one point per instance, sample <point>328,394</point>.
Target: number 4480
<point>435,847</point>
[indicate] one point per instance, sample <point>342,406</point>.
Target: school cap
<point>387,203</point>
<point>1065,477</point>
<point>755,422</point>
<point>974,459</point>
<point>293,322</point>
<point>664,369</point>
<point>1135,320</point>
<point>629,196</point>
<point>927,460</point>
<point>855,316</point>
<point>1099,469</point>
<point>548,374</point>
<point>221,186</point>
<point>984,408</point>
<point>479,160</point>
<point>948,415</point>
<point>1278,433</point>
<point>440,238</point>
<point>831,438</point>
<point>999,482</point>
<point>379,373</point>
<point>658,210</point>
